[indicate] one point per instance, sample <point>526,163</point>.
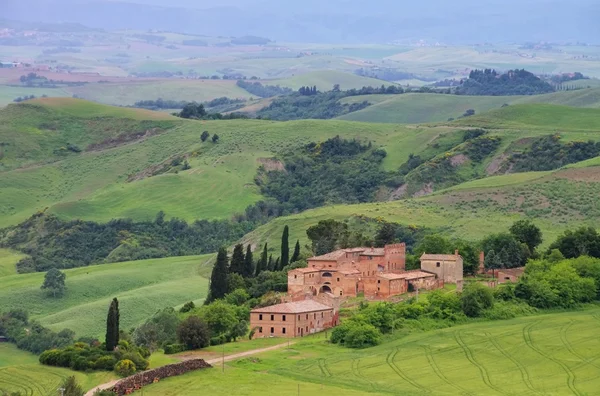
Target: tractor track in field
<point>21,384</point>
<point>323,367</point>
<point>438,371</point>
<point>522,368</point>
<point>28,383</point>
<point>569,346</point>
<point>356,371</point>
<point>390,361</point>
<point>485,376</point>
<point>570,374</point>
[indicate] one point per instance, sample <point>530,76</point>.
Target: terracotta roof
<point>512,271</point>
<point>333,256</point>
<point>306,270</point>
<point>439,257</point>
<point>416,275</point>
<point>373,252</point>
<point>294,307</point>
<point>390,276</point>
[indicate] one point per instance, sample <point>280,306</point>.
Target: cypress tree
<point>218,278</point>
<point>237,260</point>
<point>248,263</point>
<point>277,266</point>
<point>112,325</point>
<point>285,247</point>
<point>296,254</point>
<point>261,265</point>
<point>270,263</point>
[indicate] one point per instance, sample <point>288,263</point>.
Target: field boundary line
<point>522,368</point>
<point>482,370</point>
<point>529,341</point>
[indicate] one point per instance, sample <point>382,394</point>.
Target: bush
<point>71,387</point>
<point>174,348</point>
<point>187,307</point>
<point>105,363</point>
<point>475,298</point>
<point>125,368</point>
<point>362,336</point>
<point>193,333</point>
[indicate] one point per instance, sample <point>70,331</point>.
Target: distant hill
<point>325,80</point>
<point>422,108</point>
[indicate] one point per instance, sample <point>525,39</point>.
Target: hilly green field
<point>552,354</point>
<point>417,108</point>
<point>326,79</point>
<point>142,287</point>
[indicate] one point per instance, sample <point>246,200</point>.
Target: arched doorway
<point>325,289</point>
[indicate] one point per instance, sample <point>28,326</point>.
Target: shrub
<point>71,387</point>
<point>187,307</point>
<point>105,363</point>
<point>362,336</point>
<point>125,368</point>
<point>174,348</point>
<point>475,298</point>
<point>194,333</point>
<point>505,292</point>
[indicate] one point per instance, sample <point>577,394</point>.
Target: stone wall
<point>136,381</point>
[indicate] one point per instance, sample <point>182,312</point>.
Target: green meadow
<point>142,287</point>
<point>550,354</point>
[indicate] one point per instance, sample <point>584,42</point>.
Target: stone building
<point>377,272</point>
<point>292,319</point>
<point>447,267</point>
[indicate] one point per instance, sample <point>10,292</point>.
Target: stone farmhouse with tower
<point>315,292</point>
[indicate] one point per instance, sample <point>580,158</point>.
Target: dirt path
<point>214,361</point>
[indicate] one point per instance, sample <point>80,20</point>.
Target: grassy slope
<point>142,287</point>
<point>20,371</point>
<point>325,80</point>
<point>8,259</point>
<point>546,354</point>
<point>419,108</point>
<point>9,93</point>
<point>92,185</point>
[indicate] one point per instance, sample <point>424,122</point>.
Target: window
<point>295,276</point>
<point>283,317</point>
<point>272,317</point>
<point>378,281</point>
<point>307,329</point>
<point>437,264</point>
<point>260,317</point>
<point>298,317</point>
<point>315,316</point>
<point>260,329</point>
<point>338,279</point>
<point>283,330</point>
<point>340,292</point>
<point>306,316</point>
<point>272,330</point>
<point>378,288</point>
<point>321,314</point>
<point>326,275</point>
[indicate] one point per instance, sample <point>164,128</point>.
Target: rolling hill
<point>142,286</point>
<point>424,108</point>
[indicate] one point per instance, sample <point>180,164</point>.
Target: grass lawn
<point>20,371</point>
<point>552,354</point>
<point>8,261</point>
<point>142,287</point>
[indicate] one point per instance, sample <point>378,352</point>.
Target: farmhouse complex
<point>377,273</point>
<point>315,292</point>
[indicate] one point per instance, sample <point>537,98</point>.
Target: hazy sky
<point>457,21</point>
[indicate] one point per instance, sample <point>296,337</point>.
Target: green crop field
<point>551,354</point>
<point>142,287</point>
<point>20,371</point>
<point>420,108</point>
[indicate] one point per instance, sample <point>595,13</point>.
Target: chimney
<point>481,262</point>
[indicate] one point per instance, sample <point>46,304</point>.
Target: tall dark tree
<point>261,265</point>
<point>270,263</point>
<point>237,260</point>
<point>112,325</point>
<point>277,266</point>
<point>296,254</point>
<point>218,278</point>
<point>248,263</point>
<point>285,247</point>
<point>386,234</point>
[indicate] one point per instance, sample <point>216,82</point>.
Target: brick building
<point>292,319</point>
<point>376,272</point>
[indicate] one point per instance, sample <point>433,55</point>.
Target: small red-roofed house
<point>292,319</point>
